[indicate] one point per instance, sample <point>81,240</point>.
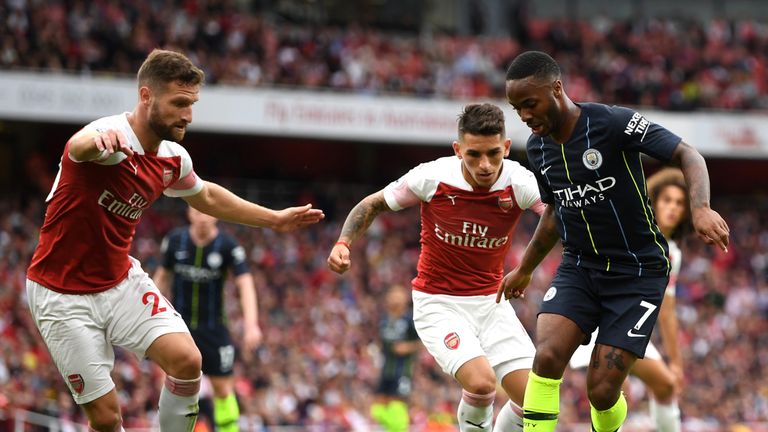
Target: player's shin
<point>475,411</point>
<point>609,420</point>
<point>666,416</point>
<point>178,404</point>
<point>226,413</point>
<point>510,418</point>
<point>541,403</point>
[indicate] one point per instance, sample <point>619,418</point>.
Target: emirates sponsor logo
<point>472,235</point>
<point>130,210</point>
<point>452,341</point>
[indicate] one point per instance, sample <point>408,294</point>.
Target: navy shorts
<point>398,386</point>
<point>217,350</point>
<point>623,306</point>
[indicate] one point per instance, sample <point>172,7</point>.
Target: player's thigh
<point>141,315</point>
<point>504,339</point>
<point>629,309</point>
<point>73,331</point>
<point>448,333</point>
<point>477,376</point>
<point>217,351</point>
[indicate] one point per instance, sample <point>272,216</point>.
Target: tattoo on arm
<point>614,359</point>
<point>362,215</point>
<point>696,175</point>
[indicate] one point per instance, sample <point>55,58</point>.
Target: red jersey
<point>94,207</point>
<point>465,232</point>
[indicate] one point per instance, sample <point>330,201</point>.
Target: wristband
<point>342,242</point>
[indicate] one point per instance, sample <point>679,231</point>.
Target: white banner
<point>351,117</point>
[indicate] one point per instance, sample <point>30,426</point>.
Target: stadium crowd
<point>667,63</point>
<point>318,365</point>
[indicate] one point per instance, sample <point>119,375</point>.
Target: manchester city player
<point>615,266</point>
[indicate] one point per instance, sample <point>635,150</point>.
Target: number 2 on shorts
<point>155,299</point>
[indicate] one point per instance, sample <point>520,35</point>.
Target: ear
<point>457,149</point>
<point>145,95</point>
<point>507,146</point>
<point>557,88</point>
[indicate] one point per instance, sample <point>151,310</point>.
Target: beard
<point>162,130</point>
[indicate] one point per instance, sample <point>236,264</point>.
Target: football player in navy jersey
<point>587,160</point>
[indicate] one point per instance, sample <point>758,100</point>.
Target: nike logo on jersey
<point>452,198</point>
<point>135,168</point>
<point>632,334</point>
<point>544,170</point>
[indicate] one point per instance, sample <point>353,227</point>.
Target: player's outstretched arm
<point>217,201</point>
<point>88,144</point>
<point>544,238</point>
<point>357,222</point>
<point>709,225</point>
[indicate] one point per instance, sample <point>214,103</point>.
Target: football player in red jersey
<point>85,292</point>
<point>470,205</point>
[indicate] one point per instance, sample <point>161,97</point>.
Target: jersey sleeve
<point>167,251</point>
<point>410,189</point>
<point>639,134</point>
<point>188,183</point>
<point>237,257</point>
<point>526,188</point>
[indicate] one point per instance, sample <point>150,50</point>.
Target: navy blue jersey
<point>391,331</point>
<point>199,274</point>
<point>597,185</point>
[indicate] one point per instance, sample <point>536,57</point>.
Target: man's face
<point>481,157</point>
<point>670,207</point>
<point>170,110</point>
<point>536,102</point>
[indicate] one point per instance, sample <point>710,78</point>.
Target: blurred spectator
<point>668,63</point>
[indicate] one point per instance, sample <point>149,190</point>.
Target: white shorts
<point>580,359</point>
<point>80,330</point>
<point>456,329</point>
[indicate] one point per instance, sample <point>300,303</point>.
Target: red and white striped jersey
<point>94,207</point>
<point>465,232</point>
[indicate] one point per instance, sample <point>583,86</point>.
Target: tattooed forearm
<point>362,215</point>
<point>614,359</point>
<point>696,175</point>
<point>543,240</point>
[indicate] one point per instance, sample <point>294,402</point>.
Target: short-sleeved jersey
<point>391,331</point>
<point>465,232</point>
<point>597,185</point>
<point>94,207</point>
<point>675,260</point>
<point>199,274</point>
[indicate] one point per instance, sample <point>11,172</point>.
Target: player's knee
<point>664,389</point>
<point>549,362</point>
<point>603,395</point>
<point>187,364</point>
<point>481,384</point>
<point>105,421</point>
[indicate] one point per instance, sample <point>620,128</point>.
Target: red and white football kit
<point>465,235</point>
<point>85,292</point>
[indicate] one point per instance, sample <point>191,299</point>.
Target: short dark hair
<point>162,67</point>
<point>481,119</point>
<point>661,180</point>
<point>533,63</point>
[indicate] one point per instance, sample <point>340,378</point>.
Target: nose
<point>186,114</point>
<point>525,115</point>
<point>485,163</point>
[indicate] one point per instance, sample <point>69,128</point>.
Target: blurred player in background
<point>668,195</point>
<point>193,272</point>
<point>85,292</point>
<point>470,205</point>
<point>615,267</point>
<point>399,345</point>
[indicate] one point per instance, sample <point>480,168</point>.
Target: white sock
<point>666,416</point>
<point>178,404</point>
<point>510,418</point>
<point>475,412</point>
